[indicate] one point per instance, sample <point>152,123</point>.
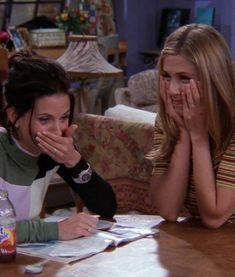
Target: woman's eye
<point>166,77</point>
<point>43,119</point>
<point>66,117</point>
<point>185,79</point>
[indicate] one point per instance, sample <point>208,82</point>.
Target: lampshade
<point>82,59</point>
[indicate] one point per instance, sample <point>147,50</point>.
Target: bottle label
<point>7,240</point>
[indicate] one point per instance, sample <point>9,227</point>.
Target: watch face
<point>86,177</point>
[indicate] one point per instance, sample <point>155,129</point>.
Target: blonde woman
<point>194,150</point>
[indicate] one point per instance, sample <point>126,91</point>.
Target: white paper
<point>122,234</point>
<point>66,251</point>
<point>73,250</point>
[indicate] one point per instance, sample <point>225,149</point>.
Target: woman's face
<point>50,113</point>
<point>177,72</point>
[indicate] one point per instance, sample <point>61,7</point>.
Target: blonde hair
<point>207,50</point>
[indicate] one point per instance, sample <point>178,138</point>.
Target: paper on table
<point>139,220</point>
<point>69,251</point>
<point>66,251</point>
<point>122,234</point>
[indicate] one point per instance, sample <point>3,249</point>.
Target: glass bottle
<point>7,228</point>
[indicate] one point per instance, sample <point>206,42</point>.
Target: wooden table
<point>181,249</point>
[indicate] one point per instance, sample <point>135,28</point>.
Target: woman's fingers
<point>70,130</point>
<point>51,138</point>
<point>50,148</point>
<point>193,97</point>
<point>61,149</point>
<point>189,101</point>
<point>78,225</point>
<point>54,144</point>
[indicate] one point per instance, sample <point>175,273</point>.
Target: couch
<point>141,91</point>
<point>116,149</point>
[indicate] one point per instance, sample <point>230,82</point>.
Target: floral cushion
<point>132,195</point>
<point>115,148</point>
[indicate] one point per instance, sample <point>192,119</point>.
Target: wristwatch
<point>84,176</point>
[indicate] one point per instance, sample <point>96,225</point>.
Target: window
<point>15,12</point>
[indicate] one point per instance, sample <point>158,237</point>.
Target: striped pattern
<point>226,170</point>
<point>224,167</point>
<point>24,177</point>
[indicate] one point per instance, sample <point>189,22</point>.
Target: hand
<point>194,111</point>
<point>76,226</point>
<point>60,148</point>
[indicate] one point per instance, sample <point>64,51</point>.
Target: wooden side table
<point>50,52</point>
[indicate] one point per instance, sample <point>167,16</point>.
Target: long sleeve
<point>36,230</point>
<point>97,194</point>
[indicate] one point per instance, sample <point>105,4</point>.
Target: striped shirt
<point>224,168</point>
<point>26,178</point>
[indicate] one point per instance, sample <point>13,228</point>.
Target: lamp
<point>82,60</point>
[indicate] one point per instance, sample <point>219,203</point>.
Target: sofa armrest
<point>122,96</point>
<point>114,147</point>
<point>124,112</point>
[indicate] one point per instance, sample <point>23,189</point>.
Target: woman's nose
<point>57,129</point>
<point>174,87</point>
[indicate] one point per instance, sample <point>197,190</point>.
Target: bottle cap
<point>33,268</point>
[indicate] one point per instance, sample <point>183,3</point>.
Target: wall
<point>138,23</point>
<point>225,11</point>
<point>224,19</point>
<point>223,16</point>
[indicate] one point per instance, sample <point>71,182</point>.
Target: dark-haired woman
<point>36,141</point>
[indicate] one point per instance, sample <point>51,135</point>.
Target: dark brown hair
<point>31,77</point>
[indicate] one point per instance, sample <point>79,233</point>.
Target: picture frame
<point>171,19</point>
<point>17,40</point>
<point>205,15</point>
